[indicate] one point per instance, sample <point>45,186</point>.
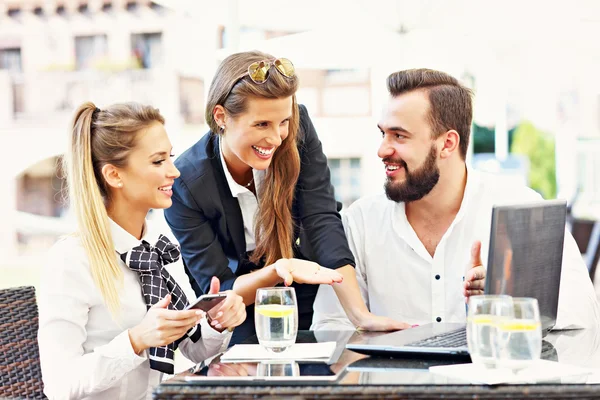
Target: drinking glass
<point>278,368</point>
<point>276,317</point>
<point>519,334</point>
<point>483,314</point>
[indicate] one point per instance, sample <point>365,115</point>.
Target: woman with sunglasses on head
<point>253,186</point>
<point>111,313</point>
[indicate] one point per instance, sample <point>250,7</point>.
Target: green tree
<point>484,138</point>
<point>539,147</point>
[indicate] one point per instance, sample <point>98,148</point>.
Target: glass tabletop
<point>579,348</point>
<point>576,347</point>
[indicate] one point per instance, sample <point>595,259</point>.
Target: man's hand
<point>475,276</point>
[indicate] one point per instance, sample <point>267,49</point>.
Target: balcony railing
<point>43,93</point>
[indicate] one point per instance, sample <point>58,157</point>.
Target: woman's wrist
<point>135,341</point>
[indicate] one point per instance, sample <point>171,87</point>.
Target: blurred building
<point>54,55</point>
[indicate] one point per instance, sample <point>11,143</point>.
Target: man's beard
<point>417,183</point>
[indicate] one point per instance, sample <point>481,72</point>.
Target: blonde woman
<point>111,314</point>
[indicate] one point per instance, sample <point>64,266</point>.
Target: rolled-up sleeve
<point>317,207</point>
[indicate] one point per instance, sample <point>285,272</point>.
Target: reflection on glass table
<point>215,372</point>
<point>576,347</point>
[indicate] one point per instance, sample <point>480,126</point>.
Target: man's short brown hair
<point>451,103</point>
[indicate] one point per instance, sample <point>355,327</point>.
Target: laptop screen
<point>525,255</point>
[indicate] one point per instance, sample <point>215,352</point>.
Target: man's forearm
<point>350,297</point>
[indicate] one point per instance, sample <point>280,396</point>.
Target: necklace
<point>249,183</point>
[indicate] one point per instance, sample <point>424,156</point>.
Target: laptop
<point>535,233</point>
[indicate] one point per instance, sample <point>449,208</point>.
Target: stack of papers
<point>308,352</point>
<point>538,371</point>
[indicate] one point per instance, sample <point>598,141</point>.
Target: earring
<point>222,128</point>
<point>120,184</point>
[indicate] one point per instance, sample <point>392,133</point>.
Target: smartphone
<point>207,301</point>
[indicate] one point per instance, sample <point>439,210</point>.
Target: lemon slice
<point>519,326</point>
<point>275,310</point>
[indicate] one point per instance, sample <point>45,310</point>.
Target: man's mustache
<point>393,161</point>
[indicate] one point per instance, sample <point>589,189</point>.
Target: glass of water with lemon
<point>519,334</point>
<point>483,314</point>
<point>276,317</point>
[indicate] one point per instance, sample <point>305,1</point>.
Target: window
<point>147,49</point>
<point>131,6</point>
<point>191,100</point>
<point>14,12</point>
<point>345,178</point>
<point>89,50</point>
<point>10,59</point>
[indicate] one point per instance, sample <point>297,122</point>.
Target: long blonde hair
<point>232,88</point>
<point>101,137</point>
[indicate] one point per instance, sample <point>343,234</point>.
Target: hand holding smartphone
<point>207,302</point>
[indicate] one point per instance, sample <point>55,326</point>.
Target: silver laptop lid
<point>525,255</point>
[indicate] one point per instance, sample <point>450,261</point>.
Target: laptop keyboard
<point>452,339</point>
<point>457,339</point>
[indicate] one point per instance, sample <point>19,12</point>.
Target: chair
<point>587,236</point>
<point>20,372</point>
<point>592,254</point>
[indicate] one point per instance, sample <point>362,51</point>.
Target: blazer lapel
<point>231,207</point>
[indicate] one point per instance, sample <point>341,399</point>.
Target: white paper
<point>538,371</point>
<point>320,352</point>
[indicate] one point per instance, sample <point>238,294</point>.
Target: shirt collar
<point>124,241</point>
<point>235,188</point>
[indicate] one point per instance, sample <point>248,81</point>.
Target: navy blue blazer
<point>207,221</point>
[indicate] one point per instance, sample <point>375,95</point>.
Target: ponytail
<point>90,210</point>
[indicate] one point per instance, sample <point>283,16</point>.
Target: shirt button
<point>437,277</point>
<point>439,319</point>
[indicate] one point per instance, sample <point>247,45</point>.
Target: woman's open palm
<point>303,271</point>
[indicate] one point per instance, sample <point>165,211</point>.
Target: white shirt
<point>247,200</point>
<point>84,352</point>
<point>397,275</point>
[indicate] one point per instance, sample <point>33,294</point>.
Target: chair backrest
<point>592,255</point>
<point>20,373</point>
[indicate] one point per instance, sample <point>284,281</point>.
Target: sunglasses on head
<point>259,71</point>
